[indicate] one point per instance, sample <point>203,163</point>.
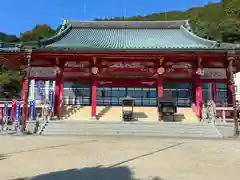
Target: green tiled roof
<point>8,47</point>
<point>127,36</point>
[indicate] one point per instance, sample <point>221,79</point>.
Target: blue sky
<point>20,15</point>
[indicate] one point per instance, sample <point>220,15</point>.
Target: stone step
<point>196,135</point>
<point>74,125</point>
<point>113,131</point>
<point>127,123</point>
<point>105,125</point>
<point>123,128</point>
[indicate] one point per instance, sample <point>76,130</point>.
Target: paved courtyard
<point>118,158</point>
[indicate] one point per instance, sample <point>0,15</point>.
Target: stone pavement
<point>117,158</point>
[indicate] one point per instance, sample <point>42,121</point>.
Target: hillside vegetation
<point>218,21</point>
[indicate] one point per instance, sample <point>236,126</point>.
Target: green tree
<point>8,75</point>
<point>8,38</point>
<point>10,81</point>
<point>37,33</point>
<point>230,26</point>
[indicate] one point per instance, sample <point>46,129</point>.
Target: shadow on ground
<point>113,172</point>
<point>95,173</point>
<point>104,111</point>
<point>2,157</point>
<point>174,118</point>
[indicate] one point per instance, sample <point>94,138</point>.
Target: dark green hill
<point>218,21</point>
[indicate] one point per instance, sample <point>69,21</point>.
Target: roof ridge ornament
<point>63,26</point>
<point>64,21</point>
<point>188,26</point>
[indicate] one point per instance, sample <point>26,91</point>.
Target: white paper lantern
<point>57,70</point>
<point>95,70</point>
<point>200,72</point>
<point>160,70</point>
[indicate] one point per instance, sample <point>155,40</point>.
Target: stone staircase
<point>114,113</point>
<point>162,129</point>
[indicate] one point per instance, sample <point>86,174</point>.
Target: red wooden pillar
<point>214,91</point>
<point>23,90</point>
<point>61,91</point>
<point>58,90</point>
<point>94,100</point>
<point>56,94</point>
<point>160,87</point>
<point>1,113</point>
<point>198,95</point>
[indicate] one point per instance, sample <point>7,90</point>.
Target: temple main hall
<point>91,66</point>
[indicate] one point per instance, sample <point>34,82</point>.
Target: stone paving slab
<point>118,158</point>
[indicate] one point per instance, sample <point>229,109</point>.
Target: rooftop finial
<point>188,26</point>
<point>63,20</point>
<point>63,26</point>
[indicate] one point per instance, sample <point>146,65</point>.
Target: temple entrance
<point>178,92</point>
<point>111,96</point>
<point>76,93</point>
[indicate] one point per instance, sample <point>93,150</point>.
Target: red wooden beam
<point>43,78</point>
<point>77,79</point>
<point>131,57</point>
<point>42,65</point>
<point>111,54</point>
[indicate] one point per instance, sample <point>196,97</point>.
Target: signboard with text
<point>43,72</point>
<point>127,68</point>
<point>181,69</point>
<point>77,64</point>
<point>214,73</point>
